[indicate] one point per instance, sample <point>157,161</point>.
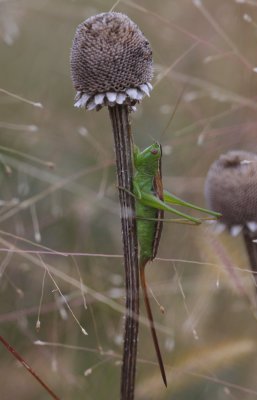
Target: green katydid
<point>151,202</point>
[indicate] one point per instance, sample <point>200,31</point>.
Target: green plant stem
<point>122,139</point>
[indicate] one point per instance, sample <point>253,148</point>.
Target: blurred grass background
<point>208,332</point>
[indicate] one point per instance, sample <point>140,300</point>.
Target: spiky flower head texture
<point>231,189</point>
<point>111,62</point>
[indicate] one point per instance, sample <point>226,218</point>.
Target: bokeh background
<point>60,240</point>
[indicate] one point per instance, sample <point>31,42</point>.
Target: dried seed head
<point>111,62</point>
<point>231,189</point>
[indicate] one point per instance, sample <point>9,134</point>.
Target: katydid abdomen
<point>146,238</point>
<point>148,224</point>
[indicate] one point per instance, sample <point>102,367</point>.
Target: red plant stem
<point>28,368</point>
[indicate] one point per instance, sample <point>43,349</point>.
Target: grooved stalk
<point>122,139</point>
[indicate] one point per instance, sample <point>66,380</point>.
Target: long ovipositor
<point>151,202</point>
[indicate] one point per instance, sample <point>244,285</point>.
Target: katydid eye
<point>154,151</point>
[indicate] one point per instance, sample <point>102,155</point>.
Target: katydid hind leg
<point>170,198</point>
<point>152,201</point>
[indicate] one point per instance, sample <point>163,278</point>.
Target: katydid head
<point>148,159</point>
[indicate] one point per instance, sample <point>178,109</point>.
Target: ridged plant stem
<point>124,164</point>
